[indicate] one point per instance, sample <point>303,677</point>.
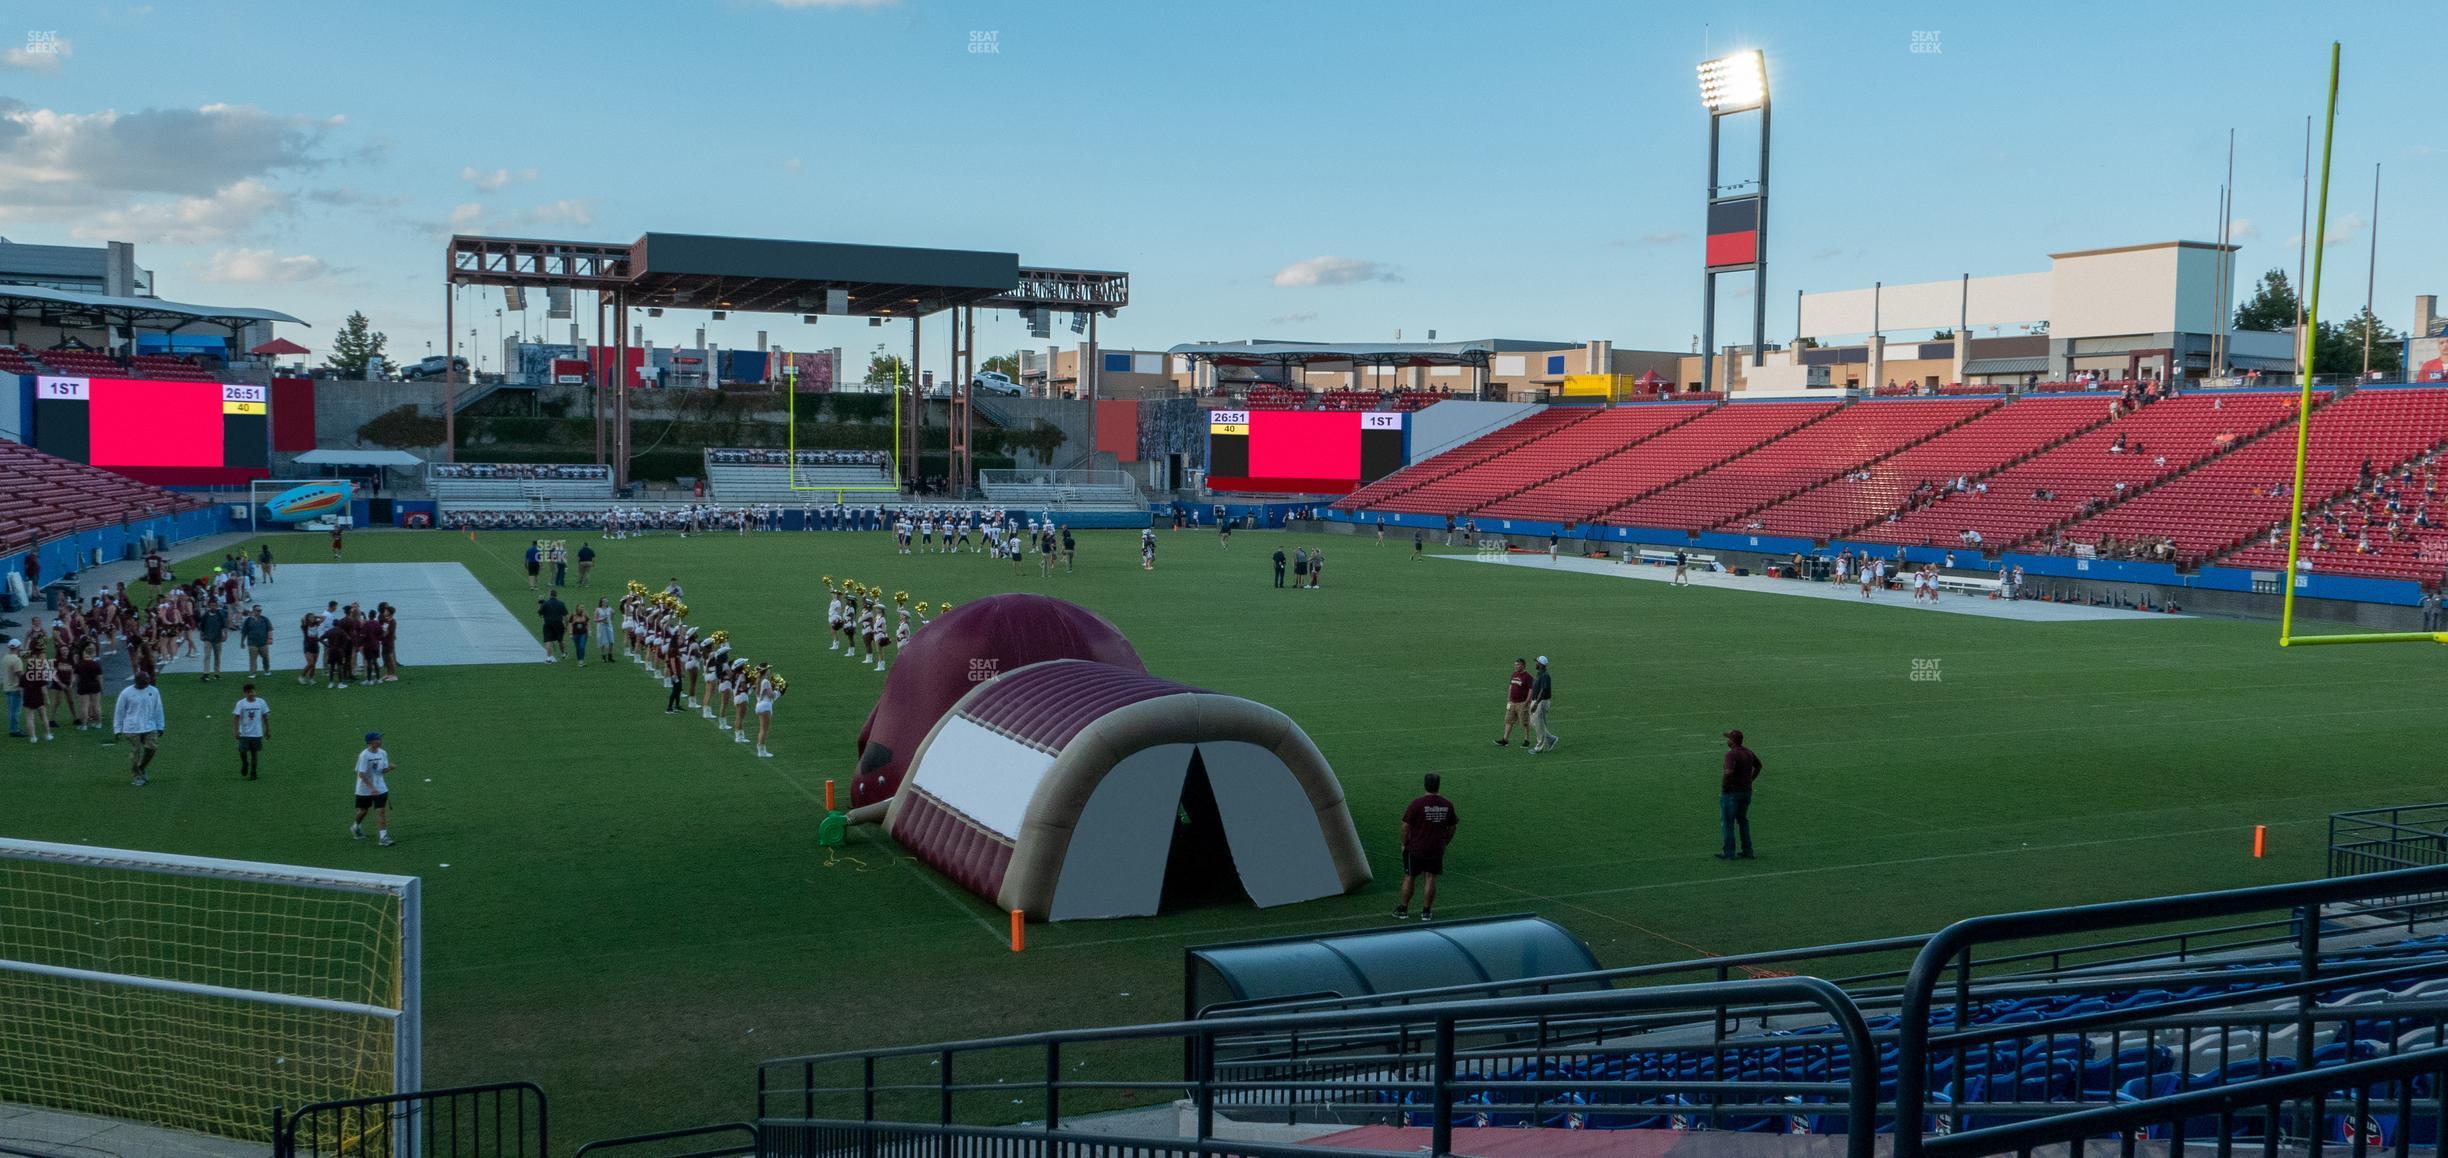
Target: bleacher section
<point>735,483</point>
<point>499,486</point>
<point>2347,529</point>
<point>1844,441</point>
<point>48,497</point>
<point>1563,456</point>
<point>1632,470</point>
<point>1539,424</point>
<point>1863,496</point>
<point>1062,490</point>
<point>2090,472</point>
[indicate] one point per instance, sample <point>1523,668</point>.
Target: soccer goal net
<point>196,994</point>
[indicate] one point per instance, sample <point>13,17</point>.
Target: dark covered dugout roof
<point>1378,961</point>
<point>760,275</point>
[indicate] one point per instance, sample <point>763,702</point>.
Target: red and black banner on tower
<point>1733,232</point>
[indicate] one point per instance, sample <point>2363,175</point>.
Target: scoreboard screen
<point>1302,451</point>
<point>169,433</point>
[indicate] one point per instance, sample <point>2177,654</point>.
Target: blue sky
<point>1522,169</point>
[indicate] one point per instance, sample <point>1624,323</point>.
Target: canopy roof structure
<point>278,346</point>
<point>694,271</point>
<point>358,456</point>
<point>1262,352</point>
<point>1390,960</point>
<point>74,308</point>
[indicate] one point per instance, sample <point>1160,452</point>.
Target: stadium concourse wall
<point>2211,589</point>
<point>74,552</point>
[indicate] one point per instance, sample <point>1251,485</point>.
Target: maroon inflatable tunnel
<point>954,653</point>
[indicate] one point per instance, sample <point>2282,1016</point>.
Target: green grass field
<point>635,911</point>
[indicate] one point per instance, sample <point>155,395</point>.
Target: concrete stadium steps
<point>1811,454</point>
<point>2185,431</point>
<point>1996,439</point>
<point>1719,434</point>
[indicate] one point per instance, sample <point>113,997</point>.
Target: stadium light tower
<point>1737,224</point>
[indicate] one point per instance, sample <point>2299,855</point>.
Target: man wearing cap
<point>1734,796</point>
<point>373,790</point>
<point>138,716</point>
<point>1541,688</point>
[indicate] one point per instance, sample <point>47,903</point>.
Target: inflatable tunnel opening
<point>1199,870</point>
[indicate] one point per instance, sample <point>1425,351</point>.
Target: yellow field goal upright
<point>892,458</point>
<point>2306,348</point>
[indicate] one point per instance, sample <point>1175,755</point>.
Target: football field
<point>631,910</point>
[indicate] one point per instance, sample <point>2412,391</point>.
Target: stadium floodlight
<point>1732,83</point>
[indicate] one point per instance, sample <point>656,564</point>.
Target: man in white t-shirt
<point>373,790</point>
<point>247,724</point>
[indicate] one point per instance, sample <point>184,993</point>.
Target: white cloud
<point>568,211</point>
<point>1664,237</point>
<point>793,165</point>
<point>47,57</point>
<point>224,214</point>
<point>1333,271</point>
<point>487,182</point>
<point>261,265</point>
<point>465,214</point>
<point>2242,229</point>
<point>57,158</point>
<point>2345,229</point>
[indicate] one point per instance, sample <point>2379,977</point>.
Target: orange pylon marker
<point>1019,930</point>
<point>828,796</point>
<point>2260,840</point>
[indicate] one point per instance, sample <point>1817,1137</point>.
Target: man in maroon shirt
<point>1427,827</point>
<point>1734,796</point>
<point>1517,703</point>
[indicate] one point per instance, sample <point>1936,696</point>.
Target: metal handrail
<point>411,1104</point>
<point>2318,1084</point>
<point>1949,952</point>
<point>747,1128</point>
<point>1861,1083</point>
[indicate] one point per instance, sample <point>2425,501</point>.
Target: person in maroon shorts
<point>1428,825</point>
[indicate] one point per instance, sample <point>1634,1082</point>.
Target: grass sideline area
<point>635,911</point>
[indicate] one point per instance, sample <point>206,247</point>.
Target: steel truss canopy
<point>760,275</point>
<point>55,307</point>
<point>1266,353</point>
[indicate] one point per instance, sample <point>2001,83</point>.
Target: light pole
<point>1737,225</point>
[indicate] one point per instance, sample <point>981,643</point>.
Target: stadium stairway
<point>1856,435</point>
<point>2026,500</point>
<point>1613,431</point>
<point>1589,492</point>
<point>2020,429</point>
<point>1417,489</point>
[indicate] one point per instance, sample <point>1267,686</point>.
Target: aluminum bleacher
<point>495,486</point>
<point>1062,490</point>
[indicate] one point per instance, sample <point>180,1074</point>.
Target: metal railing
<point>2360,1107</point>
<point>1446,1065</point>
<point>500,1120</point>
<point>1043,484</point>
<point>1949,956</point>
<point>2373,840</point>
<point>747,1141</point>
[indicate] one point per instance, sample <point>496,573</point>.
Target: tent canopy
<point>358,456</point>
<point>1389,960</point>
<point>278,346</point>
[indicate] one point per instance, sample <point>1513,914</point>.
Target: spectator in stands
<point>1742,769</point>
<point>1428,825</point>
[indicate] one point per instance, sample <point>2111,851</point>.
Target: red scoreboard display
<point>167,433</point>
<point>1302,451</point>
